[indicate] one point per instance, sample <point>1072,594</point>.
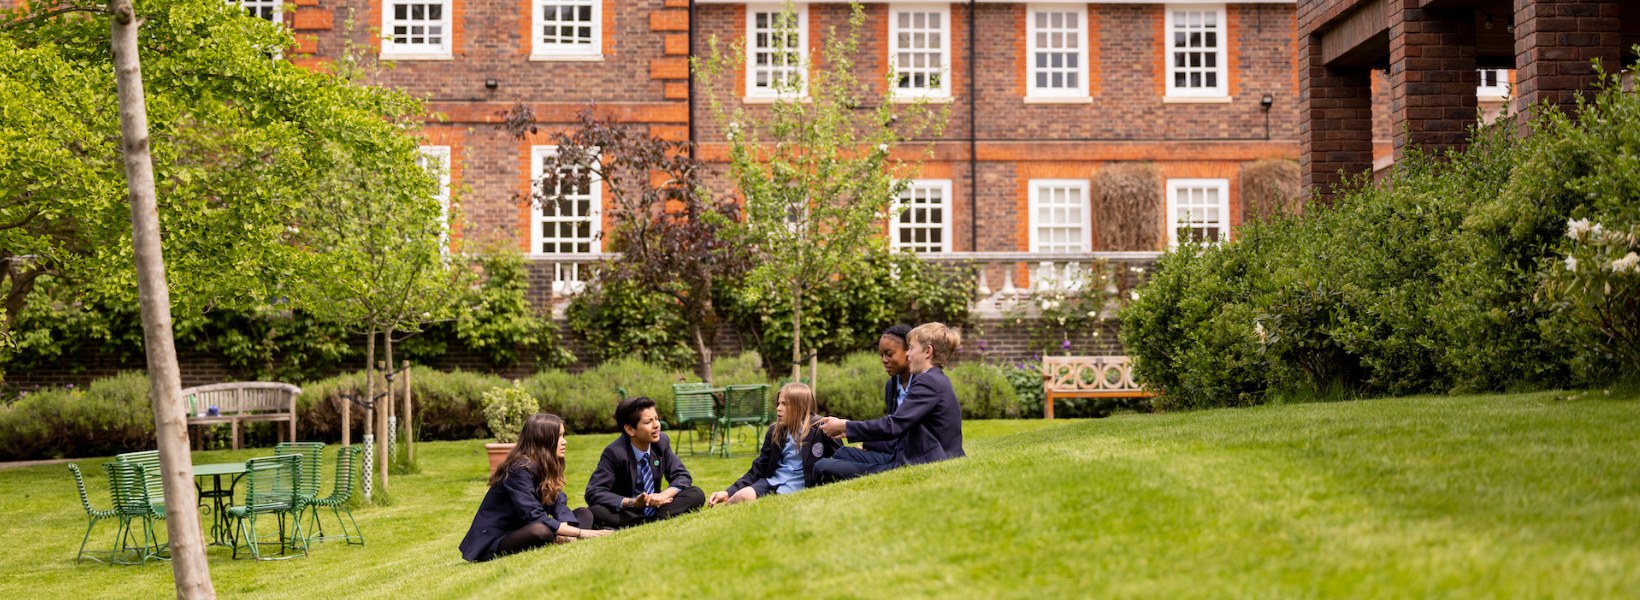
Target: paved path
<point>36,463</point>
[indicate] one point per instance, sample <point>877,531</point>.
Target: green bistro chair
<point>340,493</point>
<point>92,516</point>
<point>693,405</point>
<point>747,405</point>
<point>271,488</point>
<point>308,487</point>
<point>128,485</point>
<point>149,459</point>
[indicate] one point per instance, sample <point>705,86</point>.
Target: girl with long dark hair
<point>526,506</point>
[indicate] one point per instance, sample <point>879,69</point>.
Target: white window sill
<point>1491,97</point>
<point>909,99</point>
<point>1196,99</point>
<point>566,58</point>
<point>417,56</point>
<point>774,99</point>
<point>1059,100</point>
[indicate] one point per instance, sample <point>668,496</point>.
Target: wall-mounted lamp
<point>490,84</point>
<point>1264,104</point>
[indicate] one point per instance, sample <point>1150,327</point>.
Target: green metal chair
<point>746,405</point>
<point>693,405</point>
<point>128,485</point>
<point>93,515</point>
<point>149,459</point>
<point>271,488</point>
<point>340,493</point>
<point>308,488</point>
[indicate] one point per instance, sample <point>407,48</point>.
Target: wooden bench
<point>242,402</point>
<point>1088,377</point>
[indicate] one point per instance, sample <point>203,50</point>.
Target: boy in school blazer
<point>925,428</point>
<point>616,493</point>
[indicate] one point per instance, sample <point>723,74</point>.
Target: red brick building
<point>1433,55</point>
<point>1045,95</point>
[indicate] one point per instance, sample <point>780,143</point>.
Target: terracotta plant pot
<point>498,453</point>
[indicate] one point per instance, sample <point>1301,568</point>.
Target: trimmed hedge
<point>113,415</point>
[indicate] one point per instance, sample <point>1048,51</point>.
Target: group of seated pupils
<point>526,506</point>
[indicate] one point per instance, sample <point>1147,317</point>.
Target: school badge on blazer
<point>818,449</point>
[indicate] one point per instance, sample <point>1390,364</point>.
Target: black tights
<point>536,535</point>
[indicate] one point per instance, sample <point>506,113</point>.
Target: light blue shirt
<point>904,389</point>
<point>788,477</point>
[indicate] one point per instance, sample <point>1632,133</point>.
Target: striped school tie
<point>648,482</point>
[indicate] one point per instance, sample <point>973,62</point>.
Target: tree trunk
<point>703,354</point>
<point>369,397</point>
<point>387,433</point>
<point>188,566</point>
<point>409,432</point>
<point>797,337</point>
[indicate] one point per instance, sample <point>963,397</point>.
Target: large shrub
<point>109,416</point>
<point>1454,273</point>
<point>621,319</point>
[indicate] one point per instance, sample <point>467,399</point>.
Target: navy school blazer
<point>616,477</point>
<point>511,504</point>
<point>927,427</point>
<point>817,445</point>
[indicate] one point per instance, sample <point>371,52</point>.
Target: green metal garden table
<point>221,498</point>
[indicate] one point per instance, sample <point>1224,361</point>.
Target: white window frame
<point>1084,54</point>
<point>752,90</point>
<point>943,186</point>
<point>440,156</point>
<point>1221,69</point>
<point>943,12</point>
<point>395,51</point>
<point>576,280</point>
<point>1173,216</point>
<point>1499,90</point>
<point>1084,188</point>
<point>278,6</point>
<point>541,50</point>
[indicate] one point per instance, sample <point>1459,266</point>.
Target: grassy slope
<point>1522,495</point>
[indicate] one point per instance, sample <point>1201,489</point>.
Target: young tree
<point>817,170</point>
<point>188,566</point>
<point>670,233</point>
<point>373,250</point>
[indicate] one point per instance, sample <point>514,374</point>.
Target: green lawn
<point>1518,495</point>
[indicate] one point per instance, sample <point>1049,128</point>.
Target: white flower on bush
<point>882,147</point>
<point>1258,328</point>
<point>1628,264</point>
<point>1571,263</point>
<point>1577,228</point>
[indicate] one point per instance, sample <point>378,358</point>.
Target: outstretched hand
<point>833,426</point>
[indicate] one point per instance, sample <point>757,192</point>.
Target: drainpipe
<point>691,55</point>
<point>973,157</point>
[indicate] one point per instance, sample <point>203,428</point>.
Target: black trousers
<point>688,499</point>
<point>850,462</point>
<point>536,535</point>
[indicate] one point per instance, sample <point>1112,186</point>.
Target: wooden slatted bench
<point>241,402</point>
<point>1088,377</point>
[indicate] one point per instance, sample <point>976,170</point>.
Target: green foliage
<point>240,143</point>
<point>1591,279</point>
<point>984,391</point>
<point>494,318</point>
<point>848,313</point>
<point>1456,273</point>
<point>110,416</point>
<point>619,318</point>
<point>505,410</point>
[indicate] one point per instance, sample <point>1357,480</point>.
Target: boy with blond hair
<point>925,427</point>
